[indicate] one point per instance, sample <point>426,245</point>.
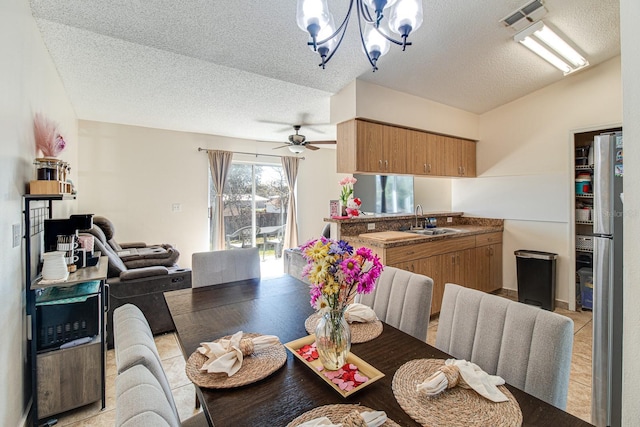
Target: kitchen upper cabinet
<point>425,153</point>
<point>370,147</point>
<point>459,157</point>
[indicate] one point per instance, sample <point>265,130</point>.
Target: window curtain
<point>290,166</point>
<point>219,164</point>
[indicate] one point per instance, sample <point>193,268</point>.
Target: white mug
<point>71,259</point>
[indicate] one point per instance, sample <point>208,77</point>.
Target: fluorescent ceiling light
<point>548,45</point>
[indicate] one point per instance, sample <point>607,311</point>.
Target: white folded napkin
<point>361,313</point>
<point>466,375</point>
<point>226,355</point>
<point>371,418</point>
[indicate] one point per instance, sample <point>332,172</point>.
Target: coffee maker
<point>65,227</point>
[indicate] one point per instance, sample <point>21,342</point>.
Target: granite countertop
<point>392,217</point>
<point>412,239</point>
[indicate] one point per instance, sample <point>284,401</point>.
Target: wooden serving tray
<point>365,369</point>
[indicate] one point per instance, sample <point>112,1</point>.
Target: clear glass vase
<point>333,339</point>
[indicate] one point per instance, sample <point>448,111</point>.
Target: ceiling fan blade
<point>311,147</point>
<point>282,146</point>
<point>321,142</point>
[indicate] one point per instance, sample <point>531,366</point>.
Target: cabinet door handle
<point>491,251</point>
<point>386,164</point>
<point>425,168</point>
<point>412,268</point>
<point>410,252</point>
<point>464,170</point>
<point>429,168</point>
<point>459,170</point>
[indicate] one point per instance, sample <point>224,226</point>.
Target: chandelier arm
<point>335,49</point>
<point>342,28</point>
<point>366,14</point>
<point>403,42</point>
<point>364,45</point>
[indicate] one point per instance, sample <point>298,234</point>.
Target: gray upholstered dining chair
<point>215,267</point>
<point>143,392</point>
<point>403,300</point>
<point>527,346</point>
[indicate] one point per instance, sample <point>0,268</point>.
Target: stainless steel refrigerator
<point>608,200</point>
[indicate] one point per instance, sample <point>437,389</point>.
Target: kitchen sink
<point>433,231</point>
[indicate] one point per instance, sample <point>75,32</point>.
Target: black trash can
<point>536,273</point>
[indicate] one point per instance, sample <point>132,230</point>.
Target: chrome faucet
<point>416,213</point>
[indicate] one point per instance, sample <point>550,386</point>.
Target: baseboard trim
<point>512,293</point>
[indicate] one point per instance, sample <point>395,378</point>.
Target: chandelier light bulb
<point>406,17</point>
<point>378,6</point>
<point>312,16</point>
<point>326,45</point>
<point>375,43</point>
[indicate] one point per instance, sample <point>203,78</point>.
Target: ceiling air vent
<point>525,16</point>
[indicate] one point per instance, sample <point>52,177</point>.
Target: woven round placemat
<point>453,407</point>
<point>255,367</point>
<point>335,413</point>
<point>360,332</point>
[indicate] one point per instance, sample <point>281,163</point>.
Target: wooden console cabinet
<point>370,147</point>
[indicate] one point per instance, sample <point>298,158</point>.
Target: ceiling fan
<point>297,142</point>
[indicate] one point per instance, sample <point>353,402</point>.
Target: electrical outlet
<point>449,219</point>
<point>371,226</point>
<point>176,207</point>
<point>15,230</point>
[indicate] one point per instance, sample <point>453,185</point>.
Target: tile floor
<point>579,401</point>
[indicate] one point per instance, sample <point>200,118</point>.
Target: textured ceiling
<point>235,68</point>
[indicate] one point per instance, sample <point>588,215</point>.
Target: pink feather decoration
<point>48,140</point>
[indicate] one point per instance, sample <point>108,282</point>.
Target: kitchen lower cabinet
<point>433,268</point>
<point>470,261</point>
<point>488,255</point>
<point>459,268</point>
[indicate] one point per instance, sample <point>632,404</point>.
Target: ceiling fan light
<point>297,149</point>
<point>406,16</point>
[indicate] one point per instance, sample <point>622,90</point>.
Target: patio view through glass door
<point>255,199</point>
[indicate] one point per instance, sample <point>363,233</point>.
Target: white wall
<point>366,100</point>
<point>29,83</point>
<point>630,34</point>
<point>525,169</point>
<point>132,175</point>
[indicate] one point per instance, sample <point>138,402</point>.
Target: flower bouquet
<point>337,273</point>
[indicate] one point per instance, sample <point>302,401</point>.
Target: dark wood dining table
<point>279,306</point>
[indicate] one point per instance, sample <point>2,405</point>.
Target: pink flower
<point>350,268</point>
<point>348,180</point>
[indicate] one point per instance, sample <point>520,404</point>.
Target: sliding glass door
<point>255,198</point>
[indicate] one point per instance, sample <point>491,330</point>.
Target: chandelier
<point>404,16</point>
